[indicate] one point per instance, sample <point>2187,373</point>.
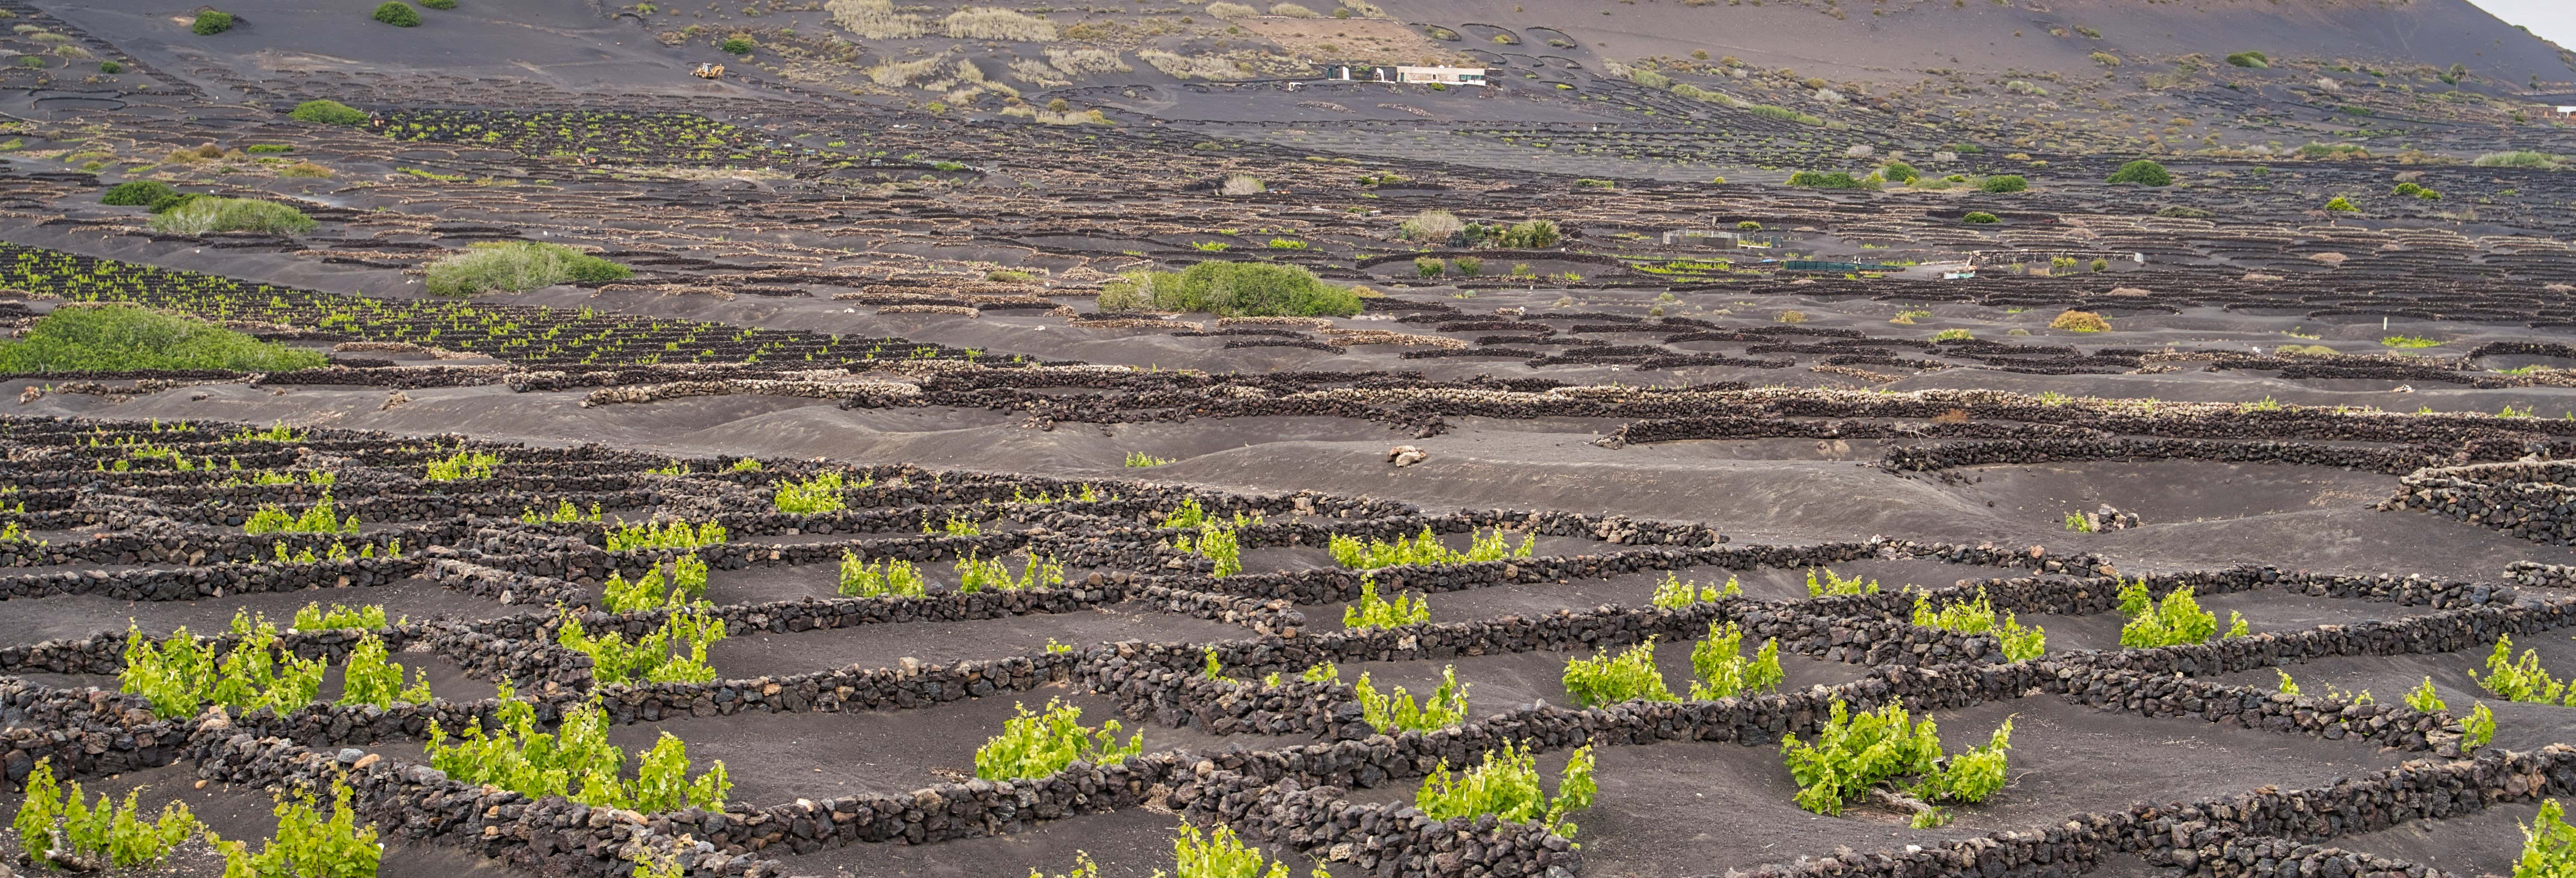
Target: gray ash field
<point>1816,328</point>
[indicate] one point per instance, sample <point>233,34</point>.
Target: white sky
<point>2554,20</point>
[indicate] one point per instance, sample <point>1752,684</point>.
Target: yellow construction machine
<point>708,71</point>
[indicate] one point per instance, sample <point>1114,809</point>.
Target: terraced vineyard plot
<point>1859,390</point>
<point>591,136</point>
<point>886,645</point>
<point>1217,676</point>
<point>520,334</point>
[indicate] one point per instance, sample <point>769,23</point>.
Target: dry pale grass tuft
<point>1191,66</point>
<point>989,23</point>
<point>1036,72</point>
<point>1357,337</point>
<point>898,74</point>
<point>2328,257</point>
<point>876,19</point>
<point>1232,10</point>
<point>1080,62</point>
<point>1292,10</point>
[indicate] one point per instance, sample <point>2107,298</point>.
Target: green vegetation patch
<point>398,14</point>
<point>328,112</point>
<point>122,337</point>
<point>199,215</point>
<point>1231,289</point>
<point>517,266</point>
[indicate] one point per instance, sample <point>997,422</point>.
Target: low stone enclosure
<point>154,514</point>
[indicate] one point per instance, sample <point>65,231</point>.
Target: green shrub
<point>1978,617</point>
<point>1425,548</point>
<point>517,266</point>
<point>205,215</point>
<point>2143,173</point>
<point>2548,844</point>
<point>1217,543</point>
<point>818,494</point>
<point>2255,60</point>
<point>2416,190</point>
<point>462,465</point>
<point>688,583</point>
<point>1506,785</point>
<point>1979,217</point>
<point>209,23</point>
<point>673,653</point>
<point>1604,679</point>
<point>2176,620</point>
<point>1390,714</point>
<point>313,618</point>
<point>2183,212</point>
<point>1532,235</point>
<point>974,574</point>
<point>881,578</point>
<point>1220,855</point>
<point>168,203</point>
<point>517,757</point>
<point>1783,113</point>
<point>1834,584</point>
<point>115,337</point>
<point>1372,612</point>
<point>2524,680</point>
<point>1038,745</point>
<point>438,4</point>
<point>2001,183</point>
<point>2334,151</point>
<point>1899,172</point>
<point>327,112</point>
<point>306,845</point>
<point>371,677</point>
<point>737,45</point>
<point>1723,671</point>
<point>1428,266</point>
<point>321,517</point>
<point>2340,204</point>
<point>110,67</point>
<point>181,674</point>
<point>1826,180</point>
<point>397,13</point>
<point>1853,754</point>
<point>673,534</point>
<point>1244,289</point>
<point>136,193</point>
<point>97,836</point>
<point>1674,594</point>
